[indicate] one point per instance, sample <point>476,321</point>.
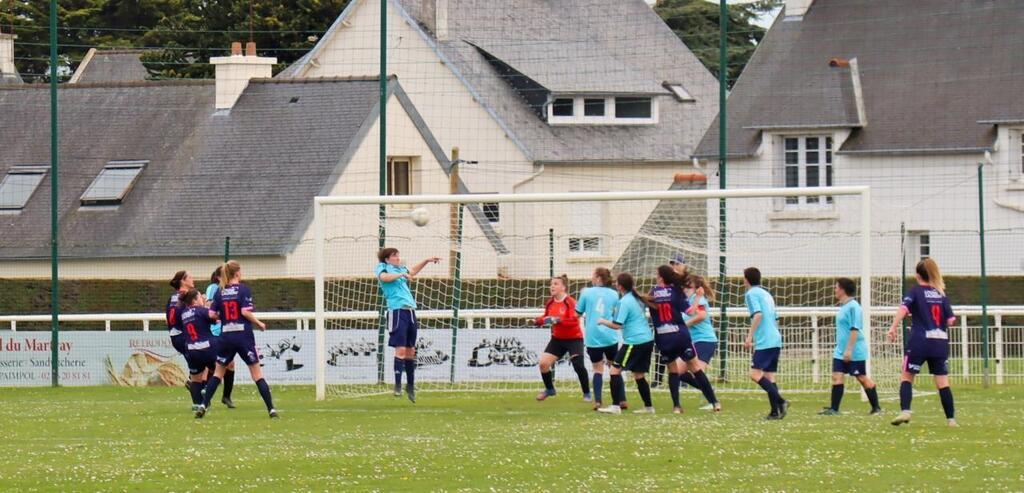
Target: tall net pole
<point>54,288</point>
<point>382,185</point>
<point>723,59</point>
<point>984,277</point>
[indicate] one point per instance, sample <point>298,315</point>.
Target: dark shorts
<point>634,357</point>
<point>766,359</point>
<point>599,354</point>
<point>242,344</point>
<point>559,347</point>
<point>936,365</point>
<point>674,345</point>
<point>180,345</point>
<point>855,368</point>
<point>705,350</point>
<point>199,360</point>
<point>402,325</point>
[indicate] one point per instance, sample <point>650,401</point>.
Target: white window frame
<point>579,116</point>
<point>411,185</point>
<point>110,201</point>
<point>825,168</point>
<point>921,245</point>
<point>679,92</point>
<point>39,171</point>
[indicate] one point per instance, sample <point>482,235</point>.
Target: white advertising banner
<point>136,358</point>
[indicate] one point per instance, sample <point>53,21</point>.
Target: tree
<point>696,24</point>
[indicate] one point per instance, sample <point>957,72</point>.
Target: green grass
<point>114,439</point>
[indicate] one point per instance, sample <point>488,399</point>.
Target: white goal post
<point>357,207</point>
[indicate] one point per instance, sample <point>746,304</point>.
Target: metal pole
<point>903,280</point>
<point>984,277</point>
<point>227,248</point>
<point>723,77</point>
<point>318,268</point>
<point>551,253</point>
<point>382,188</point>
<point>54,193</point>
<point>455,255</point>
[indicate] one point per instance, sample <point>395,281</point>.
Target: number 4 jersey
<point>931,315</point>
<point>229,303</point>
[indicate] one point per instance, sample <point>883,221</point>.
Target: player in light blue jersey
<point>394,277</point>
<point>595,303</point>
<point>766,340</point>
<point>702,330</point>
<point>229,374</point>
<point>637,346</point>
<point>851,353</point>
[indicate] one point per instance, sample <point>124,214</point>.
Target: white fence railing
<point>1006,342</point>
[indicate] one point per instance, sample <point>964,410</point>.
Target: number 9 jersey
<point>931,315</point>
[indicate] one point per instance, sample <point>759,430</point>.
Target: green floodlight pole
<point>903,280</point>
<point>984,277</point>
<point>723,59</point>
<point>54,189</point>
<point>227,248</point>
<point>382,188</point>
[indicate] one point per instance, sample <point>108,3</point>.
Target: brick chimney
<point>235,71</point>
<point>7,55</point>
<point>796,9</point>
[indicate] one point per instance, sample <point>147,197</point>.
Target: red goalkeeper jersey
<point>568,326</point>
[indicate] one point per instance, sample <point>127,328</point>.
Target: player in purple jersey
<point>202,344</point>
<point>181,282</point>
<point>233,305</point>
<point>930,318</point>
<point>668,302</point>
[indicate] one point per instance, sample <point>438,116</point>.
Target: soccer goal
<point>476,307</point>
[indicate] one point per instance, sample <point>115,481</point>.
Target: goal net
<point>476,307</point>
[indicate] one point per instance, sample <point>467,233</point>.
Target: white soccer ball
<point>420,216</point>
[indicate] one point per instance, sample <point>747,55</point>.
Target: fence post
<point>999,349</point>
<point>815,371</point>
<point>964,347</point>
<point>145,325</point>
<point>469,323</point>
<point>106,325</point>
<point>14,326</point>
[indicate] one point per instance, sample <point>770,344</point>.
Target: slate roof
<point>250,173</point>
<point>930,72</point>
<point>569,47</point>
<point>111,66</point>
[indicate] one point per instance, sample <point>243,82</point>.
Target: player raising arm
<point>394,278</point>
<point>637,347</point>
<point>765,339</point>
<point>566,337</point>
<point>930,318</point>
<point>233,304</point>
<point>595,303</point>
<point>851,353</point>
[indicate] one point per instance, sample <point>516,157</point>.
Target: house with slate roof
<point>568,96</point>
<point>155,175</point>
<point>100,65</point>
<point>901,95</point>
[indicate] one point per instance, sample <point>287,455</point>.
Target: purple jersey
<point>171,314</point>
<point>930,315</point>
<point>670,304</point>
<point>229,303</point>
<point>195,323</point>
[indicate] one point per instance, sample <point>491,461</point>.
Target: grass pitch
<point>115,439</point>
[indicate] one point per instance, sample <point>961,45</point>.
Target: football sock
<point>581,373</point>
<point>229,383</point>
<point>773,395</point>
<point>549,382</point>
<point>618,390</point>
<point>673,388</point>
<point>410,373</point>
<point>645,391</point>
<point>837,395</point>
<point>211,389</point>
<point>598,383</point>
<point>399,366</point>
<point>705,386</point>
<point>906,395</point>
<point>946,396</point>
<point>872,394</point>
<point>261,384</point>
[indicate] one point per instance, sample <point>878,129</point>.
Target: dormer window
<point>113,183</point>
<point>603,110</point>
<point>19,185</point>
<point>679,92</point>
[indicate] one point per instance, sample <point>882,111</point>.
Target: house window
<point>19,185</point>
<point>492,211</point>
<point>562,107</point>
<point>113,183</point>
<point>593,107</point>
<point>399,176</point>
<point>586,223</point>
<point>924,245</point>
<point>632,107</point>
<point>679,92</point>
<point>807,163</point>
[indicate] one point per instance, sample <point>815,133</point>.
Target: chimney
<point>441,19</point>
<point>235,71</point>
<point>796,9</point>
<point>7,54</point>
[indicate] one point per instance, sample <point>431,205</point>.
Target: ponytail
<point>176,280</point>
<point>699,282</point>
<point>628,285</point>
<point>229,270</point>
<point>671,277</point>
<point>929,272</point>
<point>188,298</point>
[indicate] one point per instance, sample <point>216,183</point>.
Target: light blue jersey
<point>595,303</point>
<point>396,292</point>
<point>210,291</point>
<point>850,317</point>
<point>630,315</point>
<point>767,335</point>
<point>705,330</point>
